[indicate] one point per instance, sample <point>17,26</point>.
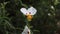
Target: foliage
<point>12,21</point>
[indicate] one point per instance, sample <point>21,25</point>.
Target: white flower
<point>49,14</point>
<point>52,7</point>
<point>26,30</point>
<point>31,11</point>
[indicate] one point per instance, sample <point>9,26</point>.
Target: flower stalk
<point>29,15</point>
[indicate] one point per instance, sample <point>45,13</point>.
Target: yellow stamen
<point>29,17</point>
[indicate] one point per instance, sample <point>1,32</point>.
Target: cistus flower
<point>26,30</point>
<point>29,12</point>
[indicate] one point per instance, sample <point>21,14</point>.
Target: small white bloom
<point>26,30</point>
<point>31,11</point>
<point>49,14</point>
<point>52,7</point>
<point>58,24</point>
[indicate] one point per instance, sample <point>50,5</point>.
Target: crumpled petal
<point>32,10</point>
<point>24,11</point>
<point>26,30</point>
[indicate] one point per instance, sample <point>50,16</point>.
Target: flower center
<point>29,12</point>
<point>29,16</point>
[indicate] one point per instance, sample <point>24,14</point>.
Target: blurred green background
<point>46,20</point>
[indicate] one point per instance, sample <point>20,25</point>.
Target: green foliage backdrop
<point>45,21</point>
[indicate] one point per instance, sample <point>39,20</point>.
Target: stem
<point>27,23</point>
<point>23,4</point>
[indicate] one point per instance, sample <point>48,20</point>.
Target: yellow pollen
<point>29,17</point>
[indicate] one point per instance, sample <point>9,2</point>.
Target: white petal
<point>24,11</point>
<point>32,10</point>
<point>26,30</point>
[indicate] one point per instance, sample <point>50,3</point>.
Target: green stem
<point>23,4</point>
<point>27,22</point>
